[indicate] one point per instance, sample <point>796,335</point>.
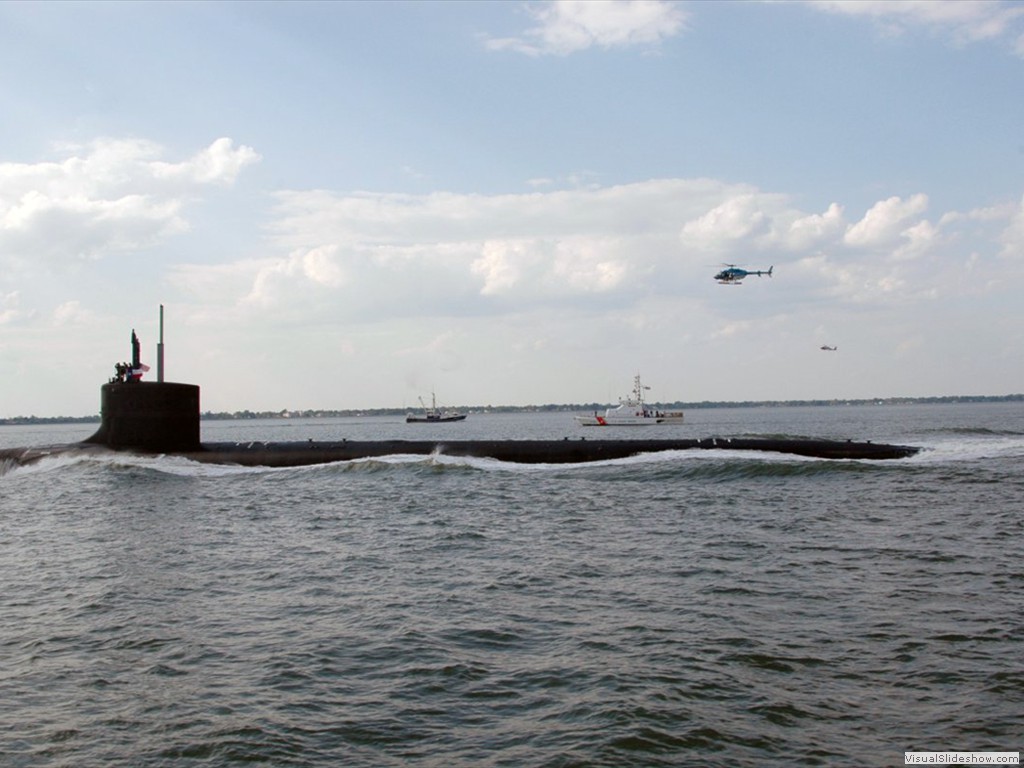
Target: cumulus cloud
<point>10,311</point>
<point>1013,237</point>
<point>563,27</point>
<point>363,257</point>
<point>309,218</point>
<point>71,313</point>
<point>574,265</point>
<point>962,21</point>
<point>737,218</point>
<point>592,265</point>
<point>806,232</point>
<point>731,329</point>
<point>501,265</point>
<point>562,269</point>
<point>886,222</point>
<point>760,222</point>
<point>476,249</point>
<point>110,196</point>
<point>314,267</point>
<point>219,163</point>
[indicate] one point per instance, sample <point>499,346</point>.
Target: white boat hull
<point>629,421</point>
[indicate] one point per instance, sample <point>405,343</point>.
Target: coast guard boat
<point>631,412</point>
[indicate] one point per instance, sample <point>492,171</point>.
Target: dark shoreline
<point>320,413</point>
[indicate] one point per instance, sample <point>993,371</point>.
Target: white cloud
<point>111,196</point>
<point>318,267</point>
<point>219,163</point>
<point>321,265</point>
<point>918,238</point>
<point>71,313</point>
<point>592,265</point>
<point>885,222</point>
<point>731,329</point>
<point>365,275</point>
<point>9,308</point>
<point>761,222</point>
<point>573,265</point>
<point>737,218</point>
<point>474,249</point>
<point>963,21</point>
<point>209,283</point>
<point>364,258</point>
<point>567,26</point>
<point>1013,237</point>
<point>810,231</point>
<point>501,265</point>
<point>547,278</point>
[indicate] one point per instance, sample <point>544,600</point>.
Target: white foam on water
<point>968,448</point>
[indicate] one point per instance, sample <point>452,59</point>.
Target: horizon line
<point>395,410</point>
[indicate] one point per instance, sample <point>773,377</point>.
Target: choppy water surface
<point>688,608</point>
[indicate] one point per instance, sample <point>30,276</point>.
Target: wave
<point>75,459</point>
<point>723,463</point>
<point>955,446</point>
<point>727,464</point>
<point>979,447</point>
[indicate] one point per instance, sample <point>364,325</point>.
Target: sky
<point>347,205</point>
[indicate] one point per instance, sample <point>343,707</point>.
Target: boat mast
<point>638,390</point>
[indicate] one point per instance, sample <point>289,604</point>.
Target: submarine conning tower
<point>152,416</point>
<point>156,416</point>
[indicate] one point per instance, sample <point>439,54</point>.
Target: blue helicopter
<point>733,275</point>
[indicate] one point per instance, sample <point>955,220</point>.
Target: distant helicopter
<point>827,348</point>
<point>733,275</point>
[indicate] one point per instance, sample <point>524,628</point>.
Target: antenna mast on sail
<point>160,348</point>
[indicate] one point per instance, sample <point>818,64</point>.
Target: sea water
<point>687,608</point>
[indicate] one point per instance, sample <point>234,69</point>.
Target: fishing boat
<point>631,412</point>
<point>433,414</point>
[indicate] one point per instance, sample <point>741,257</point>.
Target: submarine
<point>158,417</point>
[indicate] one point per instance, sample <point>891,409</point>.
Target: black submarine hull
<point>297,454</point>
<point>567,451</point>
<point>163,418</point>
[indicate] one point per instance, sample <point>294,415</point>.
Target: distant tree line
<point>50,420</point>
<point>321,413</point>
<point>574,407</point>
